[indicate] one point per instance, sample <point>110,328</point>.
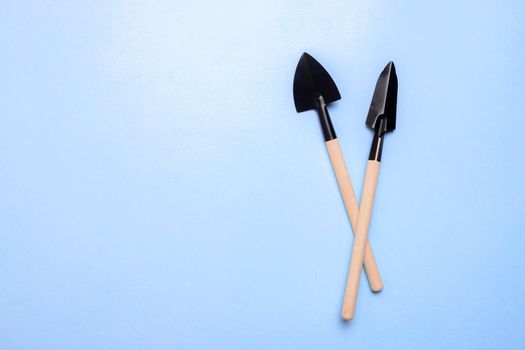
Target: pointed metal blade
<point>384,101</point>
<point>310,81</point>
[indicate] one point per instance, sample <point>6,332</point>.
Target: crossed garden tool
<point>313,88</point>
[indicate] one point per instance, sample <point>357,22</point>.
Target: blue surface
<point>159,191</point>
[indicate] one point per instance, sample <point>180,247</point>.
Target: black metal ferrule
<point>377,142</point>
<point>324,119</point>
<point>377,148</point>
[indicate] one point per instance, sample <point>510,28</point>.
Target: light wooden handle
<point>361,238</point>
<point>350,201</point>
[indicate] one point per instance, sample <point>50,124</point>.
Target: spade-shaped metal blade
<point>384,101</point>
<point>311,81</point>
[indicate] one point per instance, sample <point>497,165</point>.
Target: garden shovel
<point>313,88</point>
<point>382,119</point>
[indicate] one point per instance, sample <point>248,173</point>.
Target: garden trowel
<point>313,88</point>
<point>381,119</point>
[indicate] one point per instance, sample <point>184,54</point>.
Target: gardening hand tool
<point>313,88</point>
<point>382,119</point>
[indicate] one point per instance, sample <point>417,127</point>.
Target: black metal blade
<point>384,101</point>
<point>311,81</point>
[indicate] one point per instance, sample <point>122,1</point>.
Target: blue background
<point>158,189</point>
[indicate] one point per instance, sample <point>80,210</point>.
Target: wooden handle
<point>361,238</point>
<point>350,201</point>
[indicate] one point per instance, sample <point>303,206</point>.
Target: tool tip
<point>347,315</point>
<point>376,289</point>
